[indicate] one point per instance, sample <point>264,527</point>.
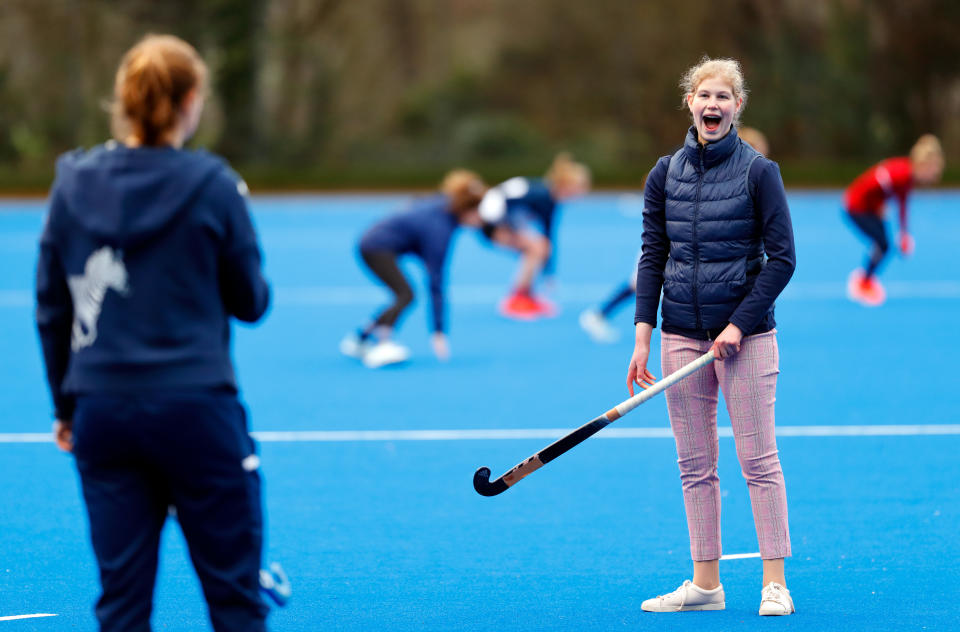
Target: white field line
<point>335,436</point>
<point>607,433</point>
<point>17,617</point>
<point>739,556</point>
<point>574,293</point>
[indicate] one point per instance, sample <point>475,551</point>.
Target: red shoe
<point>547,309</point>
<point>523,306</point>
<point>865,290</point>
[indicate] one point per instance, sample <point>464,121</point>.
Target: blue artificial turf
<point>391,535</point>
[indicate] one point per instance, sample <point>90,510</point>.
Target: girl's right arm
<point>650,268</point>
<point>435,260</point>
<point>637,372</point>
<point>904,239</point>
<point>245,292</point>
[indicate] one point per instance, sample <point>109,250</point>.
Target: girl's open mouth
<point>711,123</point>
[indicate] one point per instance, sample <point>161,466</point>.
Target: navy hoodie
<point>145,255</point>
<point>425,230</point>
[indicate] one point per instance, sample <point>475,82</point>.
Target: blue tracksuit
<point>145,256</point>
<point>424,230</point>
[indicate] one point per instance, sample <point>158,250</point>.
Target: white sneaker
<point>385,353</point>
<point>688,597</point>
<point>775,600</point>
<point>598,327</point>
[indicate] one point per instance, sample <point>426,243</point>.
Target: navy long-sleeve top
<point>425,230</point>
<point>754,312</point>
<point>146,254</point>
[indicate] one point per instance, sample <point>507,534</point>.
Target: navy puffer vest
<point>716,249</point>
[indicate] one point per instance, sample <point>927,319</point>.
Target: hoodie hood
<point>124,195</point>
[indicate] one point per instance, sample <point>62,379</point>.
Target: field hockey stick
<point>481,478</point>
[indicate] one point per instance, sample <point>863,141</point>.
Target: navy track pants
<point>140,455</point>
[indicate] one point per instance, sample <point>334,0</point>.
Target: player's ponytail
<point>151,85</point>
<point>464,188</point>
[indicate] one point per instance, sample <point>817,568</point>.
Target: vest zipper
<point>696,244</point>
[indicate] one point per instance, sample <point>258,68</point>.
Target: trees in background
<point>423,84</point>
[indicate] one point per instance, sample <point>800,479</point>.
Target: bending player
<point>520,214</point>
<point>424,230</point>
<point>865,203</point>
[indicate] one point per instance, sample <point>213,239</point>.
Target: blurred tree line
<point>313,93</point>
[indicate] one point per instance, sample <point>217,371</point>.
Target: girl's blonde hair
<point>152,82</point>
<point>926,149</point>
<point>464,188</point>
<point>727,70</point>
<point>565,170</point>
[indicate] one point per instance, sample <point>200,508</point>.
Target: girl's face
<point>190,115</point>
<point>713,107</point>
<point>572,187</point>
<point>928,171</point>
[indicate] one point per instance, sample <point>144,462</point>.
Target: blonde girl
<point>718,243</point>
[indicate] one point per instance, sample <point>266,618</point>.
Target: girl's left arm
<point>770,201</point>
<point>54,313</point>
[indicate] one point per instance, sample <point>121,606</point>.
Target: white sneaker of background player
<point>776,600</point>
<point>384,353</point>
<point>352,347</point>
<point>688,597</point>
<point>598,327</point>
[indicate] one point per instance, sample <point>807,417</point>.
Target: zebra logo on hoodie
<point>103,271</point>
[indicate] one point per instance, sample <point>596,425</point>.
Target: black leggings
<point>384,265</point>
<point>875,230</point>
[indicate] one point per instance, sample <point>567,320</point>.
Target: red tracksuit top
<point>890,178</point>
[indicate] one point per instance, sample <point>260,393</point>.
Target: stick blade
<point>481,483</point>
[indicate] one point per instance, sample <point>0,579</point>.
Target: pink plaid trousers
<point>749,383</point>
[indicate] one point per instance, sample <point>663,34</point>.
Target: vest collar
<point>713,153</point>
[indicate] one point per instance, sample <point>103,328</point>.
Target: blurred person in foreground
<point>147,252</point>
<point>865,205</point>
<point>520,214</point>
<point>596,321</point>
<point>425,230</point>
<point>718,241</point>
